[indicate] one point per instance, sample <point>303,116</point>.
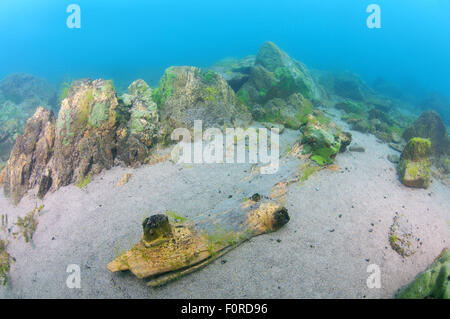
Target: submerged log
<point>168,250</point>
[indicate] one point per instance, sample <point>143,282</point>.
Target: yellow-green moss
<point>84,181</point>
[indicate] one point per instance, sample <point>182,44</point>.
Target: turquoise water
<point>133,39</point>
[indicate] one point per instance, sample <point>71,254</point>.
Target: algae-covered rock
<point>429,125</point>
<point>414,166</point>
<point>277,75</point>
<point>85,131</point>
<point>142,124</point>
<point>30,155</point>
<point>432,283</point>
<point>186,94</point>
<point>320,142</point>
<point>289,112</point>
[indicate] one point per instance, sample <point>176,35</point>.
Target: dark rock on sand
<point>357,148</point>
<point>27,166</point>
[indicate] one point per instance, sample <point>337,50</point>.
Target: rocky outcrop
<point>186,94</point>
<point>20,95</point>
<point>414,166</point>
<point>27,166</point>
<point>85,132</point>
<point>91,131</point>
<point>277,75</point>
<point>429,125</point>
<point>137,137</point>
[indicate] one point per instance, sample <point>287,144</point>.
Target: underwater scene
<point>169,149</point>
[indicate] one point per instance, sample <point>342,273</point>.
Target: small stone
<point>357,148</point>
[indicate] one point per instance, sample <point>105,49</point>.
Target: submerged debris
<point>168,250</point>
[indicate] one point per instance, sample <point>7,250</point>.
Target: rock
<point>30,155</point>
<point>269,126</point>
<point>141,132</point>
<point>320,142</point>
<point>393,158</point>
<point>351,107</point>
<point>401,236</point>
<point>396,147</point>
<point>432,283</point>
<point>429,125</point>
<point>187,93</point>
<point>85,141</point>
<point>346,139</point>
<point>290,112</point>
<point>90,133</point>
<point>125,178</point>
<point>414,166</point>
<point>396,138</point>
<point>20,96</point>
<point>277,75</point>
<point>346,85</point>
<point>357,148</point>
<point>235,71</point>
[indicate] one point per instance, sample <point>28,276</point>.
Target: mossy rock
<point>415,173</point>
<point>322,144</point>
<point>188,93</point>
<point>432,283</point>
<point>277,75</point>
<point>429,125</point>
<point>417,149</point>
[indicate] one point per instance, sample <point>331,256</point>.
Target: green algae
<point>99,114</point>
<point>432,283</point>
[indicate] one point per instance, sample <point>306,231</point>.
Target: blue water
<point>130,39</point>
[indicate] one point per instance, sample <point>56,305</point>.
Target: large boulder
<point>27,166</point>
<point>414,166</point>
<point>429,125</point>
<point>85,131</point>
<point>136,138</point>
<point>277,75</point>
<point>93,132</point>
<point>186,94</point>
<point>290,112</point>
